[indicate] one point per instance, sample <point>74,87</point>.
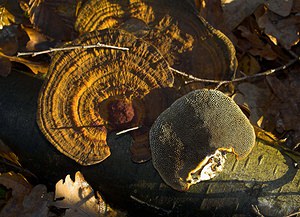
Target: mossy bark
<point>266,178</point>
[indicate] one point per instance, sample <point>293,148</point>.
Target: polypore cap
<point>189,139</point>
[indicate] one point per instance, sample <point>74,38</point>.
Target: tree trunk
<point>266,178</point>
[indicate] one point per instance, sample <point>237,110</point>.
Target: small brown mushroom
<point>185,39</point>
<point>89,92</point>
<point>189,139</point>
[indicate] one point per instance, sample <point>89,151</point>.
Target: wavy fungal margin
<point>90,92</point>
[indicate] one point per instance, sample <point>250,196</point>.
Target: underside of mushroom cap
<point>89,92</point>
<point>187,136</point>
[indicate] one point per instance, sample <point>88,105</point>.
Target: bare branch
<point>50,50</point>
<point>246,77</point>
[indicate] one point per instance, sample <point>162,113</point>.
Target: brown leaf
<point>285,30</point>
<point>235,11</point>
<point>8,40</point>
<point>282,8</point>
<point>20,187</point>
<point>36,67</point>
<point>37,40</point>
<point>37,202</point>
<point>54,18</point>
<point>257,47</point>
<point>5,66</point>
<point>256,97</point>
<point>6,153</point>
<point>10,13</point>
<point>249,65</point>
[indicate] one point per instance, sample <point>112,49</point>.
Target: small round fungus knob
<point>189,139</point>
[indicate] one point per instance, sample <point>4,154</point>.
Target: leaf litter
<point>74,198</point>
<point>265,35</point>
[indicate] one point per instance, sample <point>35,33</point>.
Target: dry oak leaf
<point>235,11</point>
<point>283,30</point>
<point>257,46</point>
<point>7,153</point>
<point>54,18</point>
<point>35,66</point>
<point>5,66</point>
<point>78,198</point>
<point>20,188</point>
<point>10,13</point>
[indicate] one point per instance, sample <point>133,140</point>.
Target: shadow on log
<point>266,178</point>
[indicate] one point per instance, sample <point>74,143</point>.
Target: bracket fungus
<point>90,92</point>
<point>189,139</point>
<point>184,38</point>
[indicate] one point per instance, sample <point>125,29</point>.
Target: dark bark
<point>266,178</point>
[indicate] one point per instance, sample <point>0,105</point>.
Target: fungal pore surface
<point>190,139</point>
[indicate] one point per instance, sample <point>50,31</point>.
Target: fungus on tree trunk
<point>90,92</point>
<point>189,140</point>
<point>184,38</point>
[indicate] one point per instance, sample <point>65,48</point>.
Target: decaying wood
<point>266,179</point>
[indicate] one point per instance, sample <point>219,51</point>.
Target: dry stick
<point>293,214</point>
<point>220,83</point>
<point>50,50</point>
<point>150,205</point>
<point>128,130</point>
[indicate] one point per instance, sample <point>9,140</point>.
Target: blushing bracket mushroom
<point>90,92</point>
<point>189,140</point>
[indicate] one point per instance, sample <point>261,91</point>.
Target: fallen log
<point>266,181</point>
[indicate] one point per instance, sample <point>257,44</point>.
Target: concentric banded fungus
<point>186,40</point>
<point>189,139</point>
<point>91,91</point>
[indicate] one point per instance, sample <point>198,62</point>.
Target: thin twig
<point>256,210</point>
<point>293,214</point>
<point>150,205</point>
<point>128,130</point>
<point>98,45</point>
<point>246,77</point>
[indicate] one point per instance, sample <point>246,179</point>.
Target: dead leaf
<point>285,30</point>
<point>5,67</point>
<point>8,40</point>
<point>235,11</point>
<point>6,153</point>
<point>257,47</point>
<point>255,97</point>
<point>54,18</point>
<point>79,198</point>
<point>296,7</point>
<point>282,8</point>
<point>10,13</point>
<point>37,202</point>
<point>20,188</point>
<point>35,66</point>
<point>37,41</point>
<point>249,65</point>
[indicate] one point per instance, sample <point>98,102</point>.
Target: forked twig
<point>245,77</point>
<point>50,50</point>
